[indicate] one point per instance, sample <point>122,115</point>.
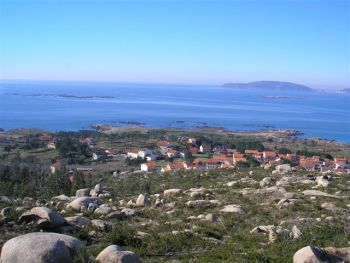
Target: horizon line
<point>158,83</point>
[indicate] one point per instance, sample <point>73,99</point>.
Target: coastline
<point>134,126</point>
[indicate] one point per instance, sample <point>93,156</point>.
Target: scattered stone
<point>284,202</point>
<point>6,211</point>
<point>117,215</point>
<point>172,192</point>
<point>269,229</point>
<point>296,233</point>
<point>232,183</point>
<point>99,188</point>
<point>322,181</point>
<point>159,202</point>
<point>128,212</point>
<point>4,199</point>
<point>101,225</point>
<point>232,209</point>
<point>92,207</point>
<point>142,200</point>
<point>283,168</point>
<point>84,202</point>
<point>62,198</point>
<point>199,203</point>
<point>318,193</point>
<point>80,221</point>
<point>41,248</point>
<point>331,207</point>
<point>82,192</point>
<point>212,218</point>
<point>43,216</point>
<point>103,210</point>
<point>266,181</point>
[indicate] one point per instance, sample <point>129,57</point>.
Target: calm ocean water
<point>41,105</point>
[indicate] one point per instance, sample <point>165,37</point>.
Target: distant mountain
<point>347,91</point>
<point>269,85</point>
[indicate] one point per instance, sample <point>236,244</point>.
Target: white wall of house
<point>144,167</point>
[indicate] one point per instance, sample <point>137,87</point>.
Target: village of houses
<point>202,156</point>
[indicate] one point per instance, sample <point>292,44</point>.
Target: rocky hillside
<point>218,216</point>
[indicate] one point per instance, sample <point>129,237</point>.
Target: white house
<point>51,145</point>
<point>149,167</point>
<point>205,148</point>
<point>133,154</point>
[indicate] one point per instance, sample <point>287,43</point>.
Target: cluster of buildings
<point>202,156</point>
<point>222,157</point>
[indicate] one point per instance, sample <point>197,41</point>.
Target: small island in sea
<point>269,86</point>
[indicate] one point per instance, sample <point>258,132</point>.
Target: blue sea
<point>62,105</point>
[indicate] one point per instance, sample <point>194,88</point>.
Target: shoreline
<point>110,129</point>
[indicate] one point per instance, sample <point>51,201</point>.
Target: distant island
<point>347,91</point>
<point>269,85</point>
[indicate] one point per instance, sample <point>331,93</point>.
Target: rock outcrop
<point>115,254</point>
<point>40,248</point>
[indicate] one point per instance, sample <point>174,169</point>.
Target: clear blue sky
<point>213,42</point>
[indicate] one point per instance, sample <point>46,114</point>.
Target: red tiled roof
<point>171,151</point>
<point>177,165</point>
<point>151,164</point>
<point>270,153</point>
<point>45,137</point>
<point>238,155</point>
<point>251,152</point>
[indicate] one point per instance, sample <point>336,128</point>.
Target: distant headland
<point>269,85</point>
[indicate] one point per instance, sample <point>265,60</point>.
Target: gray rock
<point>262,229</point>
<point>199,203</point>
<point>99,188</point>
<point>211,218</point>
<point>129,212</point>
<point>171,192</point>
<point>43,216</point>
<point>115,254</point>
<point>318,193</point>
<point>6,211</point>
<point>296,233</point>
<point>284,202</point>
<point>103,210</point>
<point>322,181</point>
<point>232,209</point>
<point>101,225</point>
<point>40,248</point>
<point>80,202</point>
<point>266,181</point>
<point>82,192</point>
<point>317,255</point>
<point>283,168</point>
<point>117,215</point>
<point>62,198</point>
<point>80,221</point>
<point>331,207</point>
<point>142,200</point>
<point>92,207</point>
<point>4,199</point>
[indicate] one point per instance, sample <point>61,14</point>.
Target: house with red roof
<point>149,167</point>
<point>269,155</point>
<point>238,157</point>
<point>171,153</point>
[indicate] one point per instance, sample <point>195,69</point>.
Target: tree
<point>284,151</point>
